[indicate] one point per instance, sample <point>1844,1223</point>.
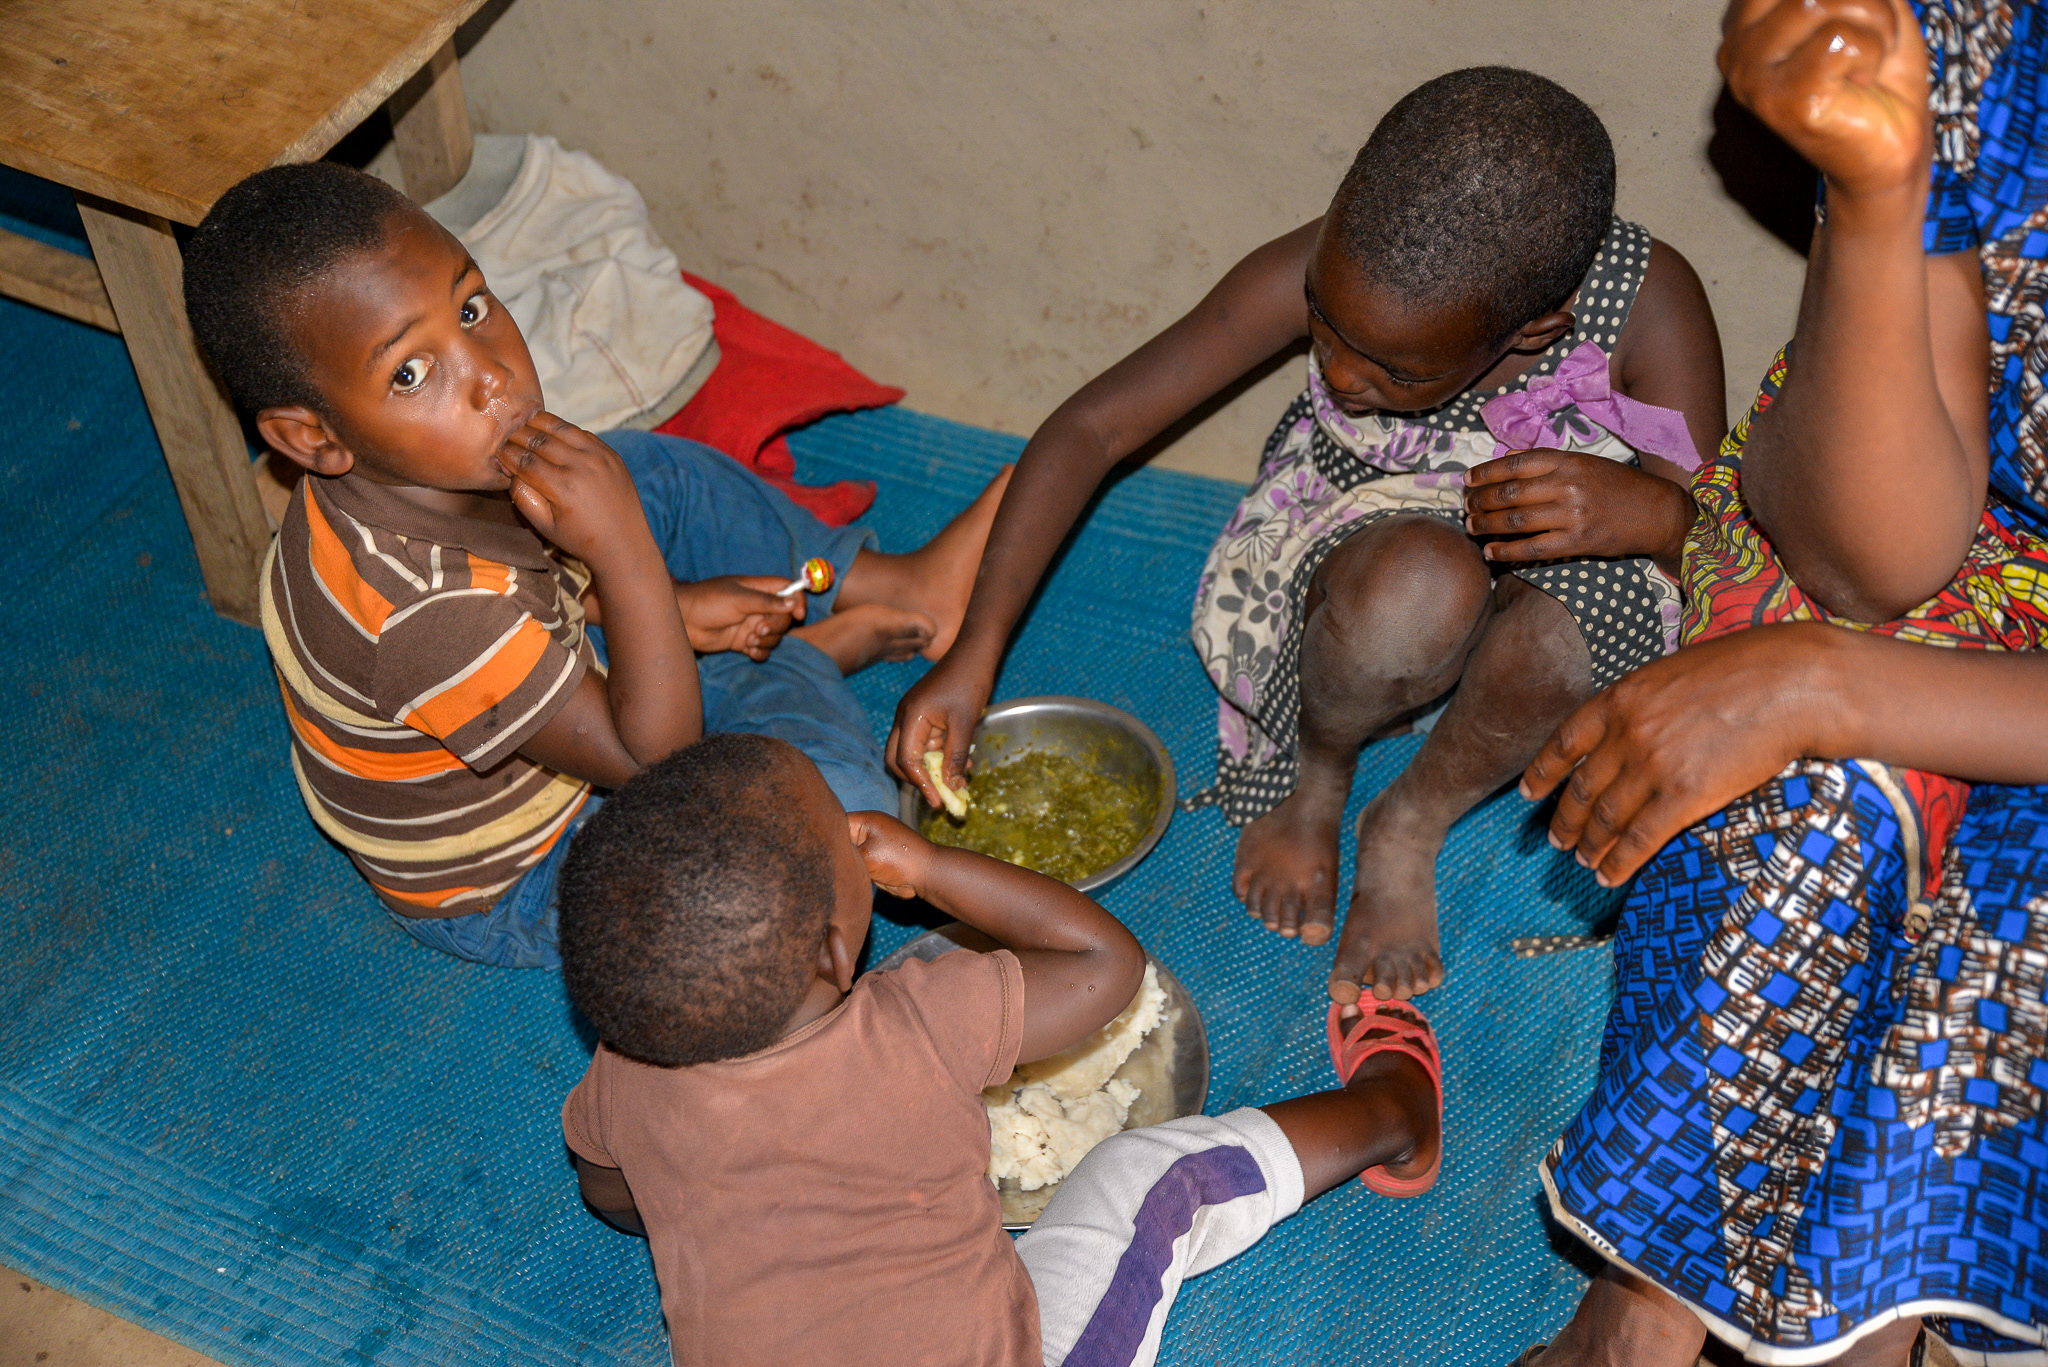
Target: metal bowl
<point>1109,738</point>
<point>1170,1067</point>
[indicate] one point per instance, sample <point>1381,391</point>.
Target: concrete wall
<point>989,202</point>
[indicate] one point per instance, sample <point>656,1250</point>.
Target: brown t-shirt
<point>827,1199</point>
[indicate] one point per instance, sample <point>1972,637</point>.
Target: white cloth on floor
<point>1144,1211</point>
<point>567,248</point>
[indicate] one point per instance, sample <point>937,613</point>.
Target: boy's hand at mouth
<point>898,858</point>
<point>737,612</point>
<point>1566,505</point>
<point>576,492</point>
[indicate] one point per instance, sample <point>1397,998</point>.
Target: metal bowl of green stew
<point>1072,787</point>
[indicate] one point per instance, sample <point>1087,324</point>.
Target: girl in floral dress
<point>1506,390</point>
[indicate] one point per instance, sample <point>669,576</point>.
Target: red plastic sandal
<point>1405,1030</point>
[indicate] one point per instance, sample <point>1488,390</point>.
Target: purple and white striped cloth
<point>1144,1211</point>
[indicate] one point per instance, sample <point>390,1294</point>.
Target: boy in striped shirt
<point>481,614</point>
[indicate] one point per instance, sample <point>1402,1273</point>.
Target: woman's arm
<point>1681,738</point>
<point>1868,472</point>
<point>1253,312</point>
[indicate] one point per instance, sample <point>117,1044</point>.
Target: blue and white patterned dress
<point>1823,1085</point>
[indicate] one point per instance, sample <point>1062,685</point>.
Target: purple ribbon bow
<point>1531,417</point>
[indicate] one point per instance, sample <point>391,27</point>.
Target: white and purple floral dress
<point>1326,475</point>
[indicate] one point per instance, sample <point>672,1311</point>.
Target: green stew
<point>1050,812</point>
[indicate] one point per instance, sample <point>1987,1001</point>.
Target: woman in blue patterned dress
<point>1819,1123</point>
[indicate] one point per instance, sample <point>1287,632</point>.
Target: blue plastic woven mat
<point>240,1108</point>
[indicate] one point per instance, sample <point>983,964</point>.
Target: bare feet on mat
<point>1286,873</point>
<point>856,637</point>
<point>1389,947</point>
<point>937,578</point>
<point>1624,1321</point>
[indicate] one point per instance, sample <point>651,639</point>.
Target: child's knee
<point>1407,569</point>
<point>1541,636</point>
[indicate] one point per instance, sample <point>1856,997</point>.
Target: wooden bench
<point>148,110</point>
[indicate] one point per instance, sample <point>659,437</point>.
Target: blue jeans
<point>711,516</point>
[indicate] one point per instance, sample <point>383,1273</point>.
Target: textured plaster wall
<point>987,203</point>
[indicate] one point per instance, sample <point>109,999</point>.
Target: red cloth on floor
<point>767,381</point>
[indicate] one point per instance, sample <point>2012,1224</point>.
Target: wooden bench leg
<point>54,279</point>
<point>202,440</point>
<point>430,127</point>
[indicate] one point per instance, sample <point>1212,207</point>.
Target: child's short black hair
<point>693,904</point>
<point>1487,185</point>
<point>261,243</point>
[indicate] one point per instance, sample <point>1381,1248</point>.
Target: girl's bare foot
<point>856,637</point>
<point>936,579</point>
<point>1286,871</point>
<point>1389,947</point>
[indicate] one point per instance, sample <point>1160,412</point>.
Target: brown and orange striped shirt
<point>417,651</point>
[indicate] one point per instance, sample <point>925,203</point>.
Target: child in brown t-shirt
<point>807,1154</point>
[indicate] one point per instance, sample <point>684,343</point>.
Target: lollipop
<point>817,577</point>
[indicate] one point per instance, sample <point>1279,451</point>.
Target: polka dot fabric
<point>1614,606</point>
<point>1614,603</point>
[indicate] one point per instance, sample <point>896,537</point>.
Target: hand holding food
<point>956,800</point>
<point>896,856</point>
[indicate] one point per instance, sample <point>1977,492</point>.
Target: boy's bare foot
<point>936,579</point>
<point>1389,946</point>
<point>1286,871</point>
<point>856,637</point>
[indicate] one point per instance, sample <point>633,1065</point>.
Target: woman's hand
<point>737,612</point>
<point>1843,81</point>
<point>1563,505</point>
<point>898,858</point>
<point>939,713</point>
<point>1681,738</point>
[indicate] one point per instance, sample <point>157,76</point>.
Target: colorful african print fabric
<point>1822,1087</point>
<point>1820,1099</point>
